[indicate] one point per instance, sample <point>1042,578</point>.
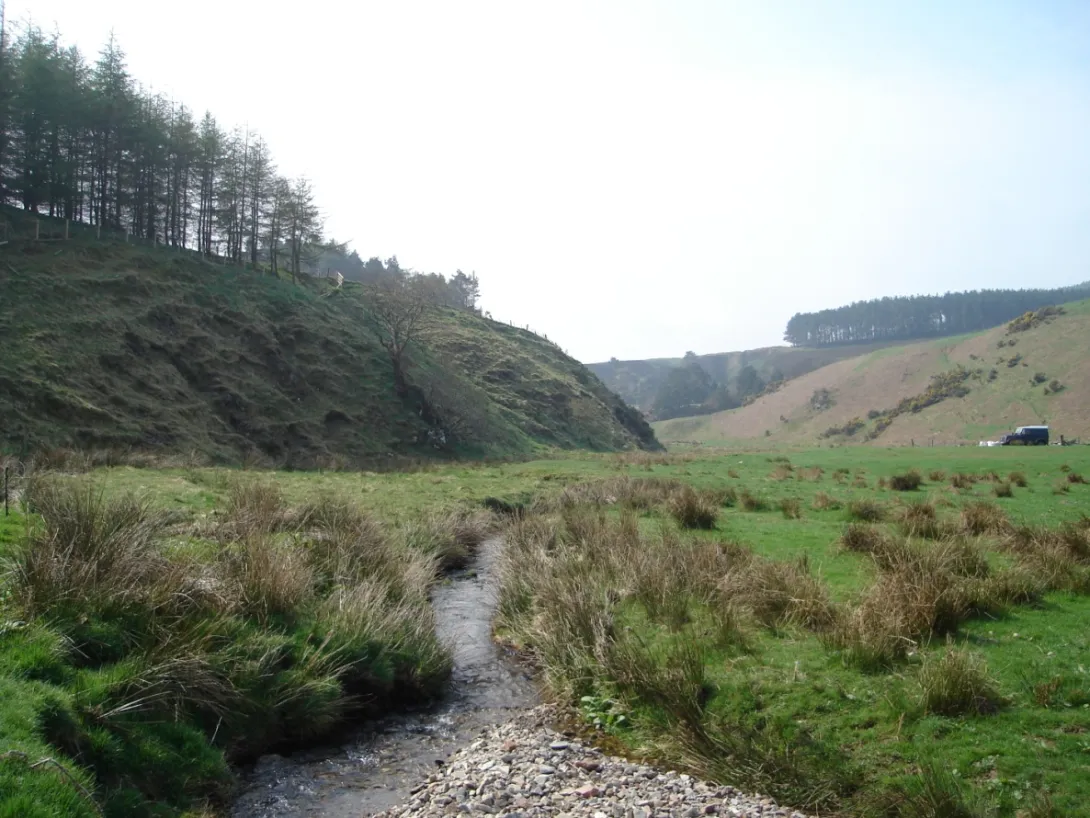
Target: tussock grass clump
<point>934,793</point>
<point>955,683</point>
<point>751,502</point>
<point>791,508</point>
<point>909,481</point>
<point>1017,478</point>
<point>254,508</point>
<point>1061,487</point>
<point>1058,558</point>
<point>1002,490</point>
<point>692,509</point>
<point>961,480</point>
<point>726,496</point>
<point>866,510</point>
<point>451,536</point>
<point>782,472</point>
<point>275,579</point>
<point>920,591</point>
<point>1074,478</point>
<point>825,502</point>
<point>812,473</point>
<point>862,538</point>
<point>936,476</point>
<point>922,520</point>
<point>91,553</point>
<point>982,517</point>
<point>780,593</point>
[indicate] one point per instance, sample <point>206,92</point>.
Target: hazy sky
<point>638,179</point>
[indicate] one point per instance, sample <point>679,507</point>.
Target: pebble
<point>503,773</point>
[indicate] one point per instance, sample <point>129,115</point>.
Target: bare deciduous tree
<point>398,315</point>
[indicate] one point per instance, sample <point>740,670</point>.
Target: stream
<point>377,768</point>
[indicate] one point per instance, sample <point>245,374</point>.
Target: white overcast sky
<point>636,178</point>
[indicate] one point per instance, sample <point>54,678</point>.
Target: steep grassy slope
<point>638,381</point>
<point>104,344</point>
<point>879,380</point>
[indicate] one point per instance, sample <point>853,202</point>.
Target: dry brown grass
<point>920,591</point>
<point>751,502</point>
<point>692,509</point>
<point>90,551</point>
<point>866,510</point>
<point>922,520</point>
<point>791,508</point>
<point>825,502</point>
<point>962,480</point>
<point>780,593</point>
<point>1017,478</point>
<point>862,538</point>
<point>982,517</point>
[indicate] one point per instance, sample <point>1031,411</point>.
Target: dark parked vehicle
<point>1026,436</point>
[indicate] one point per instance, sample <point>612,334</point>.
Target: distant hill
<point>106,344</point>
<point>952,390</point>
<point>638,382</point>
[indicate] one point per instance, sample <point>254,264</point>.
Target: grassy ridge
<point>1038,375</point>
<point>110,345</point>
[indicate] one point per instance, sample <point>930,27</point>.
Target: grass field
<point>946,673</point>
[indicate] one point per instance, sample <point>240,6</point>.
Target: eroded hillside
<point>109,345</point>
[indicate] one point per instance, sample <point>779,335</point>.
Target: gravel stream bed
<point>522,768</point>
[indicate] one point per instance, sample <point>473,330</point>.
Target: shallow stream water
<point>378,768</point>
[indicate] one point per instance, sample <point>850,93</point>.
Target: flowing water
<point>378,768</point>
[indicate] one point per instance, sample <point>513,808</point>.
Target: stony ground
<point>523,769</point>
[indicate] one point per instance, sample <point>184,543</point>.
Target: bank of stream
<point>378,767</point>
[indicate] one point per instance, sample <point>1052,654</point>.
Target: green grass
<point>116,347</point>
<point>786,711</point>
<point>770,688</point>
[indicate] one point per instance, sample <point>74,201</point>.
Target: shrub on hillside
<point>846,430</point>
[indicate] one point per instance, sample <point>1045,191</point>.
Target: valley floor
<point>854,631</point>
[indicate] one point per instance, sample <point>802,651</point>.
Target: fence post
<point>37,229</point>
<point>5,490</point>
<point>98,230</point>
